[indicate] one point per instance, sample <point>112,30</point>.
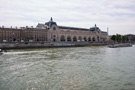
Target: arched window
<point>89,39</point>
<point>74,38</point>
<point>93,39</point>
<point>14,39</point>
<point>98,38</point>
<point>62,38</point>
<point>85,39</point>
<point>80,38</point>
<point>54,35</point>
<point>68,38</point>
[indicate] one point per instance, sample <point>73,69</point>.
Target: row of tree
<point>119,38</point>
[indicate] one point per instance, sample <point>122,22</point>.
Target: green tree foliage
<point>113,37</point>
<point>123,38</point>
<point>119,38</point>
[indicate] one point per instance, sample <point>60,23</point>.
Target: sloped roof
<point>40,25</point>
<point>94,28</point>
<point>103,32</point>
<point>73,28</point>
<point>49,24</point>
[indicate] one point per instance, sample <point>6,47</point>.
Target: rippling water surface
<point>75,68</point>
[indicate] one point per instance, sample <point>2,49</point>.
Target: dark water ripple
<point>78,68</point>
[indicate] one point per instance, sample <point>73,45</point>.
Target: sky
<point>117,15</point>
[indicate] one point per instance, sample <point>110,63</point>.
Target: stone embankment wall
<point>47,44</point>
<point>23,45</point>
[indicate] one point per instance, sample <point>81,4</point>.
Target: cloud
<point>79,13</point>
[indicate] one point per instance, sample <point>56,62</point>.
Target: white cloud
<point>118,15</point>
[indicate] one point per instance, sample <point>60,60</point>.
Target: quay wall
<point>47,45</point>
<point>22,45</point>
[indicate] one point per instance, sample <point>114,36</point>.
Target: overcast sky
<point>118,15</point>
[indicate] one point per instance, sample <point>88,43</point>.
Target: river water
<point>73,68</point>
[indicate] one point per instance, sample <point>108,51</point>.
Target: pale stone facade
<point>71,34</point>
<point>23,35</point>
<point>51,32</point>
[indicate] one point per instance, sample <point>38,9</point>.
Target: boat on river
<point>120,45</point>
<point>2,51</point>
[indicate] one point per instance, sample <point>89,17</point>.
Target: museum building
<point>51,32</point>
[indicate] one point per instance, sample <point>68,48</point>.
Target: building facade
<point>51,32</point>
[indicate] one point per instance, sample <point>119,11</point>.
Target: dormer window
<point>54,28</point>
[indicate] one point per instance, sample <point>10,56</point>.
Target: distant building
<point>51,32</point>
<point>131,37</point>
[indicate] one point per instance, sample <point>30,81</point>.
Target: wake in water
<point>24,52</point>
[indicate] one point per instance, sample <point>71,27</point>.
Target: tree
<point>123,38</point>
<point>113,37</point>
<point>127,38</point>
<point>119,38</point>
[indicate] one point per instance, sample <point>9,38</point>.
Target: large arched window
<point>89,39</point>
<point>74,38</point>
<point>80,38</point>
<point>62,38</point>
<point>98,38</point>
<point>68,38</point>
<point>93,39</point>
<point>85,39</point>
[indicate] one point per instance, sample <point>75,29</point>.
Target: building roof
<point>40,25</point>
<point>50,23</point>
<point>103,32</point>
<point>73,28</point>
<point>94,28</point>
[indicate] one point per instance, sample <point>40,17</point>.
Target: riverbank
<point>48,45</point>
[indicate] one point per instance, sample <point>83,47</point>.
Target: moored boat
<point>120,45</point>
